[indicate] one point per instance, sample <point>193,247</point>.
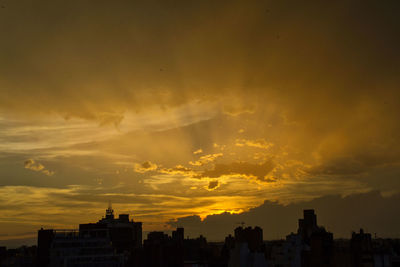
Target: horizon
<point>194,233</point>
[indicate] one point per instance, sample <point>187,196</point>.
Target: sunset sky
<point>184,109</point>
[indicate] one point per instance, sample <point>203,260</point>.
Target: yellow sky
<point>171,109</point>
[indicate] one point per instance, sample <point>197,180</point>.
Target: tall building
<point>361,249</point>
<point>253,237</point>
<point>178,235</point>
<point>308,224</point>
<point>318,243</point>
<point>249,250</point>
<point>162,250</point>
<point>45,239</point>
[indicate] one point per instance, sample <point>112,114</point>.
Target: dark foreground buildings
<point>115,242</point>
<point>109,242</point>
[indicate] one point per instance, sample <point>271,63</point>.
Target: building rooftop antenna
<point>109,211</point>
<point>241,223</point>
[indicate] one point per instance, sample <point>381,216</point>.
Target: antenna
<point>241,223</point>
<point>109,211</point>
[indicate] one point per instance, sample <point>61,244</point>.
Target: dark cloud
<point>97,60</point>
<point>339,166</point>
<point>360,162</point>
<point>340,215</point>
<point>213,184</point>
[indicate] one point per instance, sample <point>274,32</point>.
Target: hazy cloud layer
<point>97,60</point>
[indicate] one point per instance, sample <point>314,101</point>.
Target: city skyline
<point>204,113</point>
<point>117,241</point>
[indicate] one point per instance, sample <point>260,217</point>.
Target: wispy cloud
<point>38,167</point>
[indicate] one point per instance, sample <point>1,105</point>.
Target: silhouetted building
<point>285,252</point>
<point>109,242</point>
<point>125,234</point>
<point>320,252</point>
<point>307,225</point>
<point>341,253</point>
<point>178,235</point>
<point>253,237</point>
<point>89,248</point>
<point>318,243</point>
<point>361,249</point>
<point>162,250</point>
<point>3,253</point>
<point>196,250</point>
<point>23,256</point>
<point>246,248</point>
<point>115,242</point>
<point>45,239</point>
<point>242,256</point>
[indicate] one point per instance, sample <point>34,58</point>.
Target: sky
<point>187,113</point>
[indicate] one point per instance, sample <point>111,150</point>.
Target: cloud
<point>179,170</point>
<point>198,151</point>
<point>106,118</point>
<point>145,167</point>
<point>203,160</point>
<point>325,93</point>
<point>259,171</point>
<point>32,165</point>
<point>340,167</point>
<point>330,107</point>
<point>237,110</point>
<point>36,166</point>
<point>47,172</point>
<point>241,57</point>
<point>259,143</point>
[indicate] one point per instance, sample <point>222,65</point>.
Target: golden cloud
<point>179,170</point>
<point>205,159</point>
<point>198,151</point>
<point>249,170</point>
<point>259,143</point>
